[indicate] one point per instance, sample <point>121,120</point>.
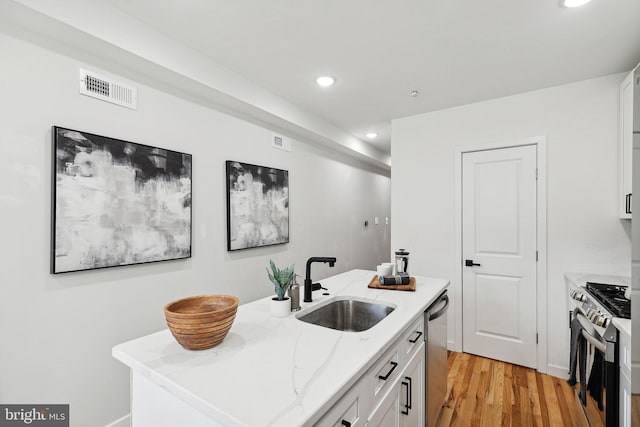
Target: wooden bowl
<point>201,322</point>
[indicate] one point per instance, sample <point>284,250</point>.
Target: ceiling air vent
<point>281,142</point>
<point>107,89</point>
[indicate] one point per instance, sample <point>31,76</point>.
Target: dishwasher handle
<point>439,313</point>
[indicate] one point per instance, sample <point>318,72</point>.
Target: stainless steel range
<point>594,305</point>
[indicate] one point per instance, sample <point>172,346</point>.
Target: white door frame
<point>541,239</point>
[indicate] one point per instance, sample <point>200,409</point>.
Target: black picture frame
<point>117,203</point>
<point>257,206</point>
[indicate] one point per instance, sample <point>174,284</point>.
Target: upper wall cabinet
<point>629,128</point>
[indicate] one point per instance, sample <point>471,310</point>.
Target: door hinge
<point>536,256</point>
<point>536,174</point>
<point>536,338</point>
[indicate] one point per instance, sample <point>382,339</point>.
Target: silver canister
<point>402,261</point>
<point>294,294</point>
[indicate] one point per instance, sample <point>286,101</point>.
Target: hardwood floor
<point>486,392</point>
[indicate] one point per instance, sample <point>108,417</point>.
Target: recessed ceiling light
<point>325,81</point>
<point>372,135</point>
<point>574,3</point>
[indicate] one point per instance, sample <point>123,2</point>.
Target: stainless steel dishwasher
<point>435,322</point>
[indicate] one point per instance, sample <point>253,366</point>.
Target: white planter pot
<point>280,308</point>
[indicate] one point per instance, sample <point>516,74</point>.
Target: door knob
<point>470,263</point>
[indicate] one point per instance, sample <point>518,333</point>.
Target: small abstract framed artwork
<point>117,203</point>
<point>257,206</point>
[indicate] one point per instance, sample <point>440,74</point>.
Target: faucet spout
<point>307,281</point>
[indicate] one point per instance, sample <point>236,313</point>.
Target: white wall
<point>57,331</point>
<point>101,28</point>
<point>580,121</point>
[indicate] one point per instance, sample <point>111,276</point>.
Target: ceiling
<point>453,52</point>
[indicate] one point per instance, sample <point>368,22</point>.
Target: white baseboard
<point>121,422</point>
<point>558,371</point>
<point>453,346</point>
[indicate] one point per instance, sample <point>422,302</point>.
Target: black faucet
<point>307,281</point>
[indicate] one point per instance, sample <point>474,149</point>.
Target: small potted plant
<point>280,306</point>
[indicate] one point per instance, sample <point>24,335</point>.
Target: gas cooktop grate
<point>612,298</point>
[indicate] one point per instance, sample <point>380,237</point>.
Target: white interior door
<point>499,239</point>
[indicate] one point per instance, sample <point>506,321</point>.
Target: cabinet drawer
<point>387,412</point>
<point>411,340</point>
<point>351,410</point>
<point>384,373</point>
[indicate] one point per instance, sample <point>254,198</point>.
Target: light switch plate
<point>376,221</point>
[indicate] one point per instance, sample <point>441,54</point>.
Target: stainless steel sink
<point>347,314</point>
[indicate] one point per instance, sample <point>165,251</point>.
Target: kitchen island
<point>268,371</point>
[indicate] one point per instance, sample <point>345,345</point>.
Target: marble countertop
<point>287,371</point>
<point>623,325</point>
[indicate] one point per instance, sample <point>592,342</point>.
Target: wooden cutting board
<point>375,284</point>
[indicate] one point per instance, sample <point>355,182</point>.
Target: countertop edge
<point>623,325</point>
<point>185,395</point>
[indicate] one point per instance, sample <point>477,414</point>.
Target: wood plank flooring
<point>486,392</point>
<point>635,409</point>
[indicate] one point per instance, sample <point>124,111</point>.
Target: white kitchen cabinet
<point>413,337</point>
<point>629,124</point>
<point>387,413</point>
<point>352,409</point>
<point>385,371</point>
<point>625,401</point>
<point>625,379</point>
<point>403,405</point>
<point>391,392</point>
<point>412,381</point>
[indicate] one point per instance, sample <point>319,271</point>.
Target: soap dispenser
<point>294,294</point>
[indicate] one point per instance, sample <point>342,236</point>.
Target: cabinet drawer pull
<point>627,207</point>
<point>405,411</point>
<point>346,423</point>
<point>415,340</point>
<point>409,397</point>
<point>394,365</point>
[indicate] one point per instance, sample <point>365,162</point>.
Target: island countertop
<point>278,371</point>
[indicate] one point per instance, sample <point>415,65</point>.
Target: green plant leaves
<point>280,278</point>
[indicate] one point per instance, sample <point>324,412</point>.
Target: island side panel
<point>154,406</point>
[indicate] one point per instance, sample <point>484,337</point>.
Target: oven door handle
<point>580,315</point>
<point>597,344</point>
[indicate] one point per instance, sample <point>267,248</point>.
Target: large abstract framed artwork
<point>257,206</point>
<point>117,203</point>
